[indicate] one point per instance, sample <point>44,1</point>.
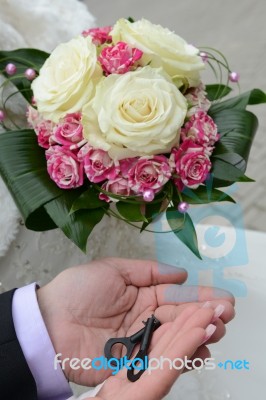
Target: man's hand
<point>85,306</point>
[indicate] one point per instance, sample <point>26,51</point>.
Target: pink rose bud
<point>99,35</point>
<point>119,59</point>
<point>43,128</point>
<point>191,163</point>
<point>149,173</point>
<point>201,129</point>
<point>119,186</point>
<point>44,132</point>
<point>69,131</point>
<point>97,164</point>
<point>64,168</point>
<point>197,100</point>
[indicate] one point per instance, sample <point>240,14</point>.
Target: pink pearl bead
<point>183,206</point>
<point>11,69</point>
<point>234,77</point>
<point>204,56</point>
<point>148,195</point>
<point>2,115</point>
<point>30,74</point>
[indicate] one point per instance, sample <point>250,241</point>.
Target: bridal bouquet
<point>120,123</point>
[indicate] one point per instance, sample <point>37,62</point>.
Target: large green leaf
<point>204,195</point>
<point>87,200</point>
<point>23,168</point>
<point>23,59</point>
<point>237,129</point>
<point>183,228</point>
<point>217,91</point>
<point>232,158</point>
<point>222,170</point>
<point>76,226</point>
<point>252,97</point>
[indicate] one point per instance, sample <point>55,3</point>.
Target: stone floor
<point>237,28</point>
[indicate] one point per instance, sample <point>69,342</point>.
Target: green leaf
<point>229,173</point>
<point>252,97</point>
<point>234,159</point>
<point>152,210</point>
<point>217,91</point>
<point>131,212</point>
<point>237,129</point>
<point>87,200</point>
<point>78,226</point>
<point>186,232</point>
<point>23,168</point>
<point>23,59</point>
<point>175,219</point>
<point>204,195</point>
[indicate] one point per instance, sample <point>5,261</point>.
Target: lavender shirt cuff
<point>37,346</point>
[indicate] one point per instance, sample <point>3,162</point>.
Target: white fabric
<point>89,394</point>
<point>41,24</point>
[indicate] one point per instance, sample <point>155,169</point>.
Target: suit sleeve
<point>16,380</point>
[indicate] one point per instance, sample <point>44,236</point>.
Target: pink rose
<point>43,128</point>
<point>64,168</point>
<point>99,35</point>
<point>119,59</point>
<point>119,186</point>
<point>97,164</point>
<point>191,163</point>
<point>44,133</point>
<point>126,164</point>
<point>69,131</point>
<point>149,173</point>
<point>201,129</point>
<point>197,100</point>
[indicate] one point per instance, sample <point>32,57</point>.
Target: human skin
<point>86,305</point>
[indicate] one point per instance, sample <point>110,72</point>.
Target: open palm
<point>84,306</point>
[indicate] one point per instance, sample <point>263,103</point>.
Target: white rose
<point>135,114</point>
<point>162,47</point>
<point>67,79</point>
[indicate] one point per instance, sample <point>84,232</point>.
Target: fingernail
<point>169,269</point>
<point>209,331</point>
<point>207,304</point>
<point>218,312</point>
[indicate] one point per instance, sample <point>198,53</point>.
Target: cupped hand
<point>86,305</point>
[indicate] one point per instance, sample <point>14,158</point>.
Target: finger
<point>174,294</point>
<point>147,272</point>
<point>167,313</point>
<point>160,381</point>
<point>201,353</point>
<point>177,326</point>
<point>219,333</point>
